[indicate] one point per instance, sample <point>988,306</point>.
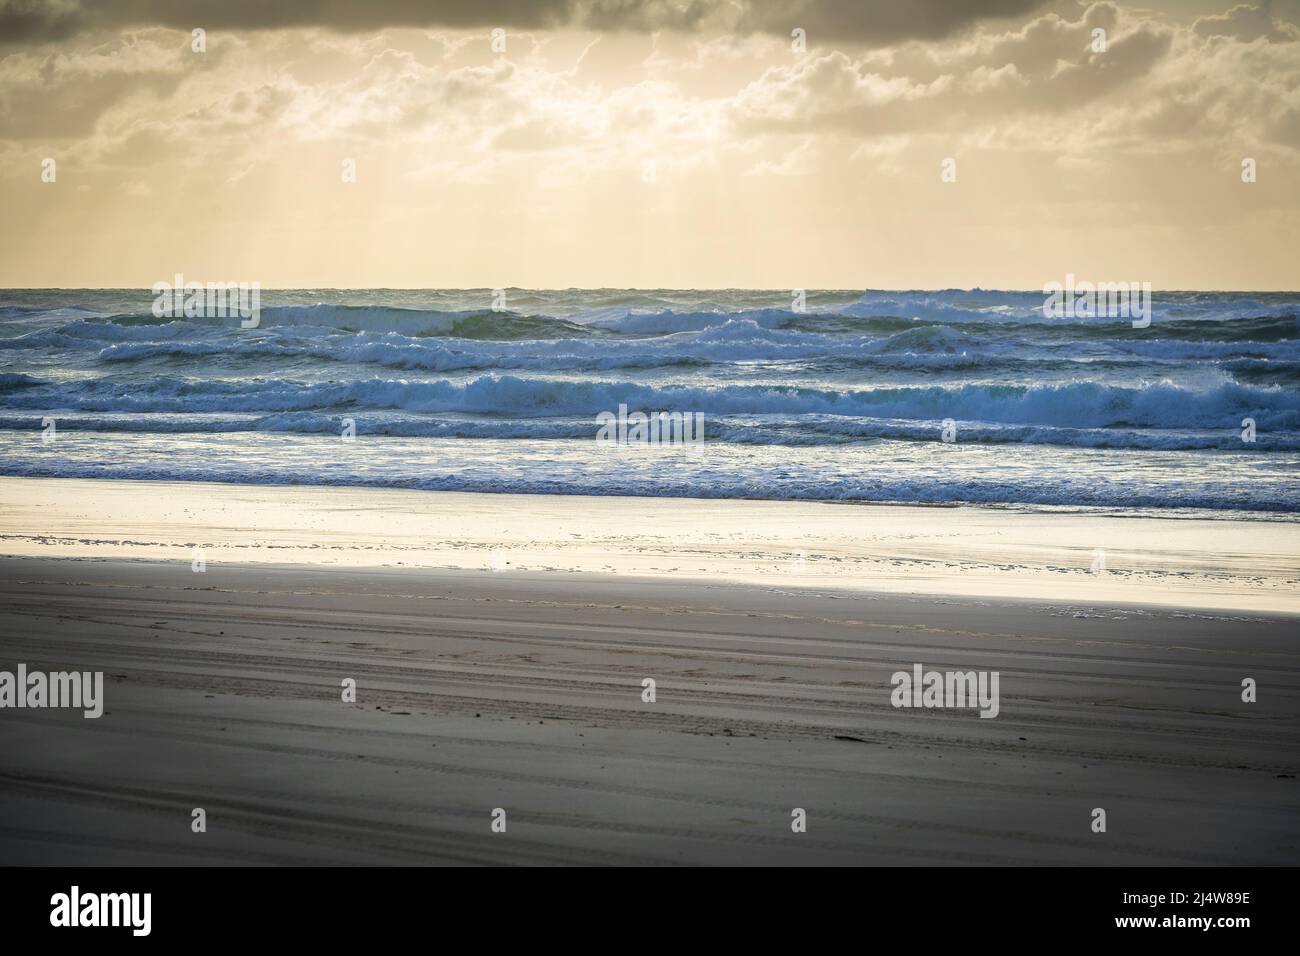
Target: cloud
<point>38,20</point>
<point>42,20</point>
<point>469,158</point>
<point>799,161</point>
<point>884,21</point>
<point>1047,67</point>
<point>64,93</point>
<point>1245,22</point>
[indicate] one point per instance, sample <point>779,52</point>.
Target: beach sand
<point>499,644</point>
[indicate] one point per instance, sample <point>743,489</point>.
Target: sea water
<point>936,397</point>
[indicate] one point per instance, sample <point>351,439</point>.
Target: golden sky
<point>672,143</point>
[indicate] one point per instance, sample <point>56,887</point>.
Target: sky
<point>799,144</point>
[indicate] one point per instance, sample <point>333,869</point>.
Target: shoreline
<point>1071,557</point>
<point>1013,507</point>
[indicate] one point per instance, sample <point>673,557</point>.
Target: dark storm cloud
<point>37,20</point>
<point>883,21</point>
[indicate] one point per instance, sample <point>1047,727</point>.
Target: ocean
<point>843,400</point>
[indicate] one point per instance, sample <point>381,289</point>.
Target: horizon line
<point>780,289</point>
